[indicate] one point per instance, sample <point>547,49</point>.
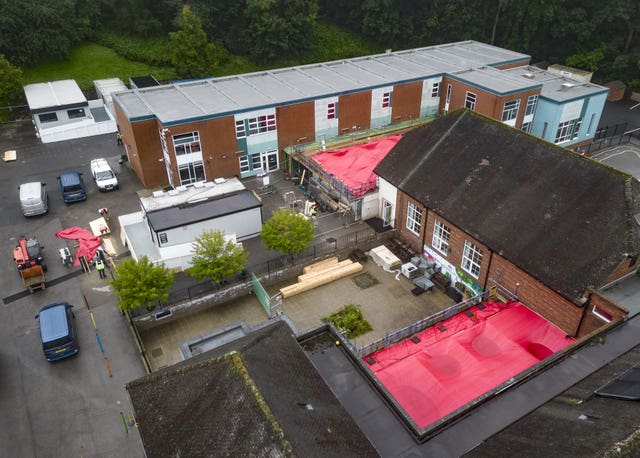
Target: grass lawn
<point>92,62</point>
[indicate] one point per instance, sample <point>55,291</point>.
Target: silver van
<point>33,198</point>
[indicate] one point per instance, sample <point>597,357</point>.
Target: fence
<point>610,131</point>
<point>270,272</point>
<point>609,142</point>
<point>419,326</point>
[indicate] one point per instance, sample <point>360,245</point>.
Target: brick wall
<point>535,295</point>
<point>597,308</point>
<point>626,266</point>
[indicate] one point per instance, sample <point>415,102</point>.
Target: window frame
<point>186,143</point>
<point>386,99</point>
<point>76,113</point>
<point>471,259</point>
<point>332,110</point>
<point>510,110</point>
<point>435,89</point>
<point>414,218</point>
<point>48,117</point>
<point>532,103</point>
<point>564,133</point>
<point>470,100</point>
<point>441,237</point>
<point>526,127</point>
<point>195,172</point>
<point>243,162</point>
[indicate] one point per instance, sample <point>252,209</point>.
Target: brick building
<point>494,205</point>
<point>183,133</point>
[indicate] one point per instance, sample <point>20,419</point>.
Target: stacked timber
<point>321,273</point>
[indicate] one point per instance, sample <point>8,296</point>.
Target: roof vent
<point>158,193</point>
<point>173,192</point>
<point>567,85</point>
<point>181,188</point>
<point>528,75</point>
<point>219,180</point>
<point>209,184</point>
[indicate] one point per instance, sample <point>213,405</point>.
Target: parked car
<point>103,175</point>
<point>33,198</point>
<point>58,331</point>
<point>72,186</point>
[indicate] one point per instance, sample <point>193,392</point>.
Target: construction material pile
<point>321,273</point>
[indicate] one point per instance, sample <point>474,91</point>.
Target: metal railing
<point>425,323</point>
<point>609,142</point>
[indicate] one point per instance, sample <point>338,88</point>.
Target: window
<point>261,124</point>
<point>414,218</point>
<point>441,235</point>
<point>241,130</point>
<point>332,110</point>
<point>244,163</point>
<point>576,128</point>
<point>471,259</point>
<point>532,101</point>
<point>470,101</point>
<point>48,117</point>
<point>603,315</point>
<point>75,113</point>
<point>510,111</point>
<point>386,100</point>
<point>186,143</point>
<point>163,237</point>
<point>256,162</point>
<point>435,90</point>
<point>448,98</point>
<point>566,130</point>
<point>191,172</point>
<point>526,126</point>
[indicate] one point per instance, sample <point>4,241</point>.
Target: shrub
<point>349,320</point>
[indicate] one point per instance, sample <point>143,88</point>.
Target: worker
<point>104,212</point>
<point>100,268</point>
<point>103,229</point>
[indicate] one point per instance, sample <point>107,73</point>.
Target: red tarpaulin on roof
<point>471,355</point>
<point>88,243</point>
<point>353,166</point>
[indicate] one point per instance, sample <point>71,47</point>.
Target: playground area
<point>446,366</point>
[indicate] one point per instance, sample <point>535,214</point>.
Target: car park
<point>72,186</point>
<point>58,331</point>
<point>33,198</point>
<point>103,175</point>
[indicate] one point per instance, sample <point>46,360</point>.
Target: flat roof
<point>109,85</point>
<point>202,210</point>
<point>554,86</point>
<point>495,81</point>
<point>212,97</point>
<point>54,94</point>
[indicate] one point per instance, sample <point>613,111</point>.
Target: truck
<point>103,175</point>
<point>33,278</point>
<point>28,253</point>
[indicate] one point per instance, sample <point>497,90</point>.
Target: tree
<point>192,56</point>
<point>288,232</point>
<point>141,283</point>
<point>10,86</point>
<point>216,257</point>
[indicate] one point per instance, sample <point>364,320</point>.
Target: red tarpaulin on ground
<point>353,166</point>
<point>447,369</point>
<point>88,243</point>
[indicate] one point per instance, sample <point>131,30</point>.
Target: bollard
<point>93,320</point>
<point>124,422</point>
<point>86,302</point>
<point>106,363</point>
<point>99,343</point>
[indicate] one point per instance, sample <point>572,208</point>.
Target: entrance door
<point>269,161</point>
<point>387,213</point>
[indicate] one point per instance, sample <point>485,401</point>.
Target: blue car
<point>58,331</point>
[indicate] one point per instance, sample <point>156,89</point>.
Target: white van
<point>33,198</point>
<point>103,175</point>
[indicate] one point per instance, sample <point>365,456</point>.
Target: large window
<point>470,101</point>
<point>191,172</point>
<point>471,259</point>
<point>256,162</point>
<point>435,90</point>
<point>532,101</point>
<point>510,111</point>
<point>448,97</point>
<point>526,126</point>
<point>568,130</point>
<point>257,125</point>
<point>414,218</point>
<point>186,143</point>
<point>441,236</point>
<point>48,117</point>
<point>75,113</point>
<point>241,130</point>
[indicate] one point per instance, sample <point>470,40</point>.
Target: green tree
<point>141,283</point>
<point>216,258</point>
<point>192,55</point>
<point>288,232</point>
<point>279,28</point>
<point>10,87</point>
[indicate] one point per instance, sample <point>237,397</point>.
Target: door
<point>269,161</point>
<point>387,213</point>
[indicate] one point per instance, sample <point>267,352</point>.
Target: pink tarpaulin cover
<point>88,243</point>
<point>354,166</point>
<point>447,369</point>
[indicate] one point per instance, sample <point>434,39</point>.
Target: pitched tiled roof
<point>257,396</point>
<point>563,218</point>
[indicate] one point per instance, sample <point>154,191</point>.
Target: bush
<point>153,51</point>
<point>349,321</point>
